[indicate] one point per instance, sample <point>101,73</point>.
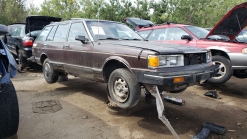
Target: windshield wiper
<point>108,38</point>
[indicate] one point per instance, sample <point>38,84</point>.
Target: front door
<point>78,55</point>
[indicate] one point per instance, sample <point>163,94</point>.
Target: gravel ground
<point>84,114</point>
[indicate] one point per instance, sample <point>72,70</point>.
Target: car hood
<point>161,48</point>
<point>34,23</point>
<point>232,23</point>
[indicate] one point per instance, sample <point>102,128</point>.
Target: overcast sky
<point>36,2</point>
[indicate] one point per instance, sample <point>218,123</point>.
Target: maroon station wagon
<point>111,52</point>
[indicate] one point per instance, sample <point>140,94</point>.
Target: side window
<point>61,33</point>
<point>43,35</point>
<point>16,32</point>
<point>158,34</point>
<point>77,29</point>
<point>144,34</point>
<point>51,34</point>
<point>174,33</point>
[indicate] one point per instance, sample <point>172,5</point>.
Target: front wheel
<point>225,70</point>
<point>124,90</point>
<point>50,75</point>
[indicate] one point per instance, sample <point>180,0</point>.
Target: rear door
<point>15,39</point>
<point>78,55</point>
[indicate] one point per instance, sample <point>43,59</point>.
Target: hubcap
<point>120,90</point>
<point>47,70</point>
<point>222,70</point>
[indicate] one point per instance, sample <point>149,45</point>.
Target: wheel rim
<point>222,70</point>
<point>120,90</point>
<point>47,70</point>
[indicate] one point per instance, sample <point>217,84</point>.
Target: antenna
<point>98,19</point>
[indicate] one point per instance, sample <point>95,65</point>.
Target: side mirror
<point>81,38</point>
<point>186,37</point>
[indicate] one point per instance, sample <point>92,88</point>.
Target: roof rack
<point>77,18</point>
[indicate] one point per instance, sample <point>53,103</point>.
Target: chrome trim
<point>165,77</point>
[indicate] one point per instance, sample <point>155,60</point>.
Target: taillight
<point>28,43</point>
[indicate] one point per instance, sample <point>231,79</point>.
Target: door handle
<point>66,46</point>
<point>45,44</point>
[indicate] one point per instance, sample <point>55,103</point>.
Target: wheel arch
<point>220,53</point>
<point>42,58</point>
<point>113,63</point>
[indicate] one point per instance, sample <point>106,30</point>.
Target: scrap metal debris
<point>213,94</point>
<point>174,100</point>
<point>48,106</point>
<point>207,128</point>
<point>153,89</point>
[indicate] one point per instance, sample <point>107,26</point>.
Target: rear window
<point>11,28</point>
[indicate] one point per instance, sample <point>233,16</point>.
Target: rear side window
<point>158,34</point>
<point>61,33</point>
<point>145,33</point>
<point>51,34</point>
<point>43,35</point>
<point>77,29</point>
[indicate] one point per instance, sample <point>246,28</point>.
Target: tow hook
<point>160,108</point>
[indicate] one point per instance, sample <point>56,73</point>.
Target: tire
<point>21,62</point>
<point>50,75</point>
<point>119,80</point>
<point>225,71</point>
<point>9,111</point>
<point>242,74</point>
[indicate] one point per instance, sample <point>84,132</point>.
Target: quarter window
<point>43,35</point>
<point>61,33</point>
<point>76,29</point>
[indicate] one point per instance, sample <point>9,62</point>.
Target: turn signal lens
<point>153,61</point>
<point>178,79</point>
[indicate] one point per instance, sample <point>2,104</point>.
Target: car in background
<point>9,109</point>
<point>111,52</point>
<point>22,35</point>
<point>229,54</point>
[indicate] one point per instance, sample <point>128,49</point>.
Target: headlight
<point>155,61</point>
<point>208,57</point>
<point>244,51</point>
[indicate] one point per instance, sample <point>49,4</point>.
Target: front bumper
<point>167,78</point>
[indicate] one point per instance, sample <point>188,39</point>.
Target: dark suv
<point>111,52</point>
<point>21,36</point>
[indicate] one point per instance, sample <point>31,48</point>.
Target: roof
<point>164,26</point>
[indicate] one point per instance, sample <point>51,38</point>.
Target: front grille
<point>193,59</point>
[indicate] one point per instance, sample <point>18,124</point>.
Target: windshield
<point>111,30</point>
<point>242,37</point>
<point>201,33</point>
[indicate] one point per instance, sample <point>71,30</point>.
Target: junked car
<point>97,50</point>
<point>21,36</point>
<point>9,109</point>
<point>228,53</point>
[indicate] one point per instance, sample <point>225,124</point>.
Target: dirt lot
<point>84,113</point>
